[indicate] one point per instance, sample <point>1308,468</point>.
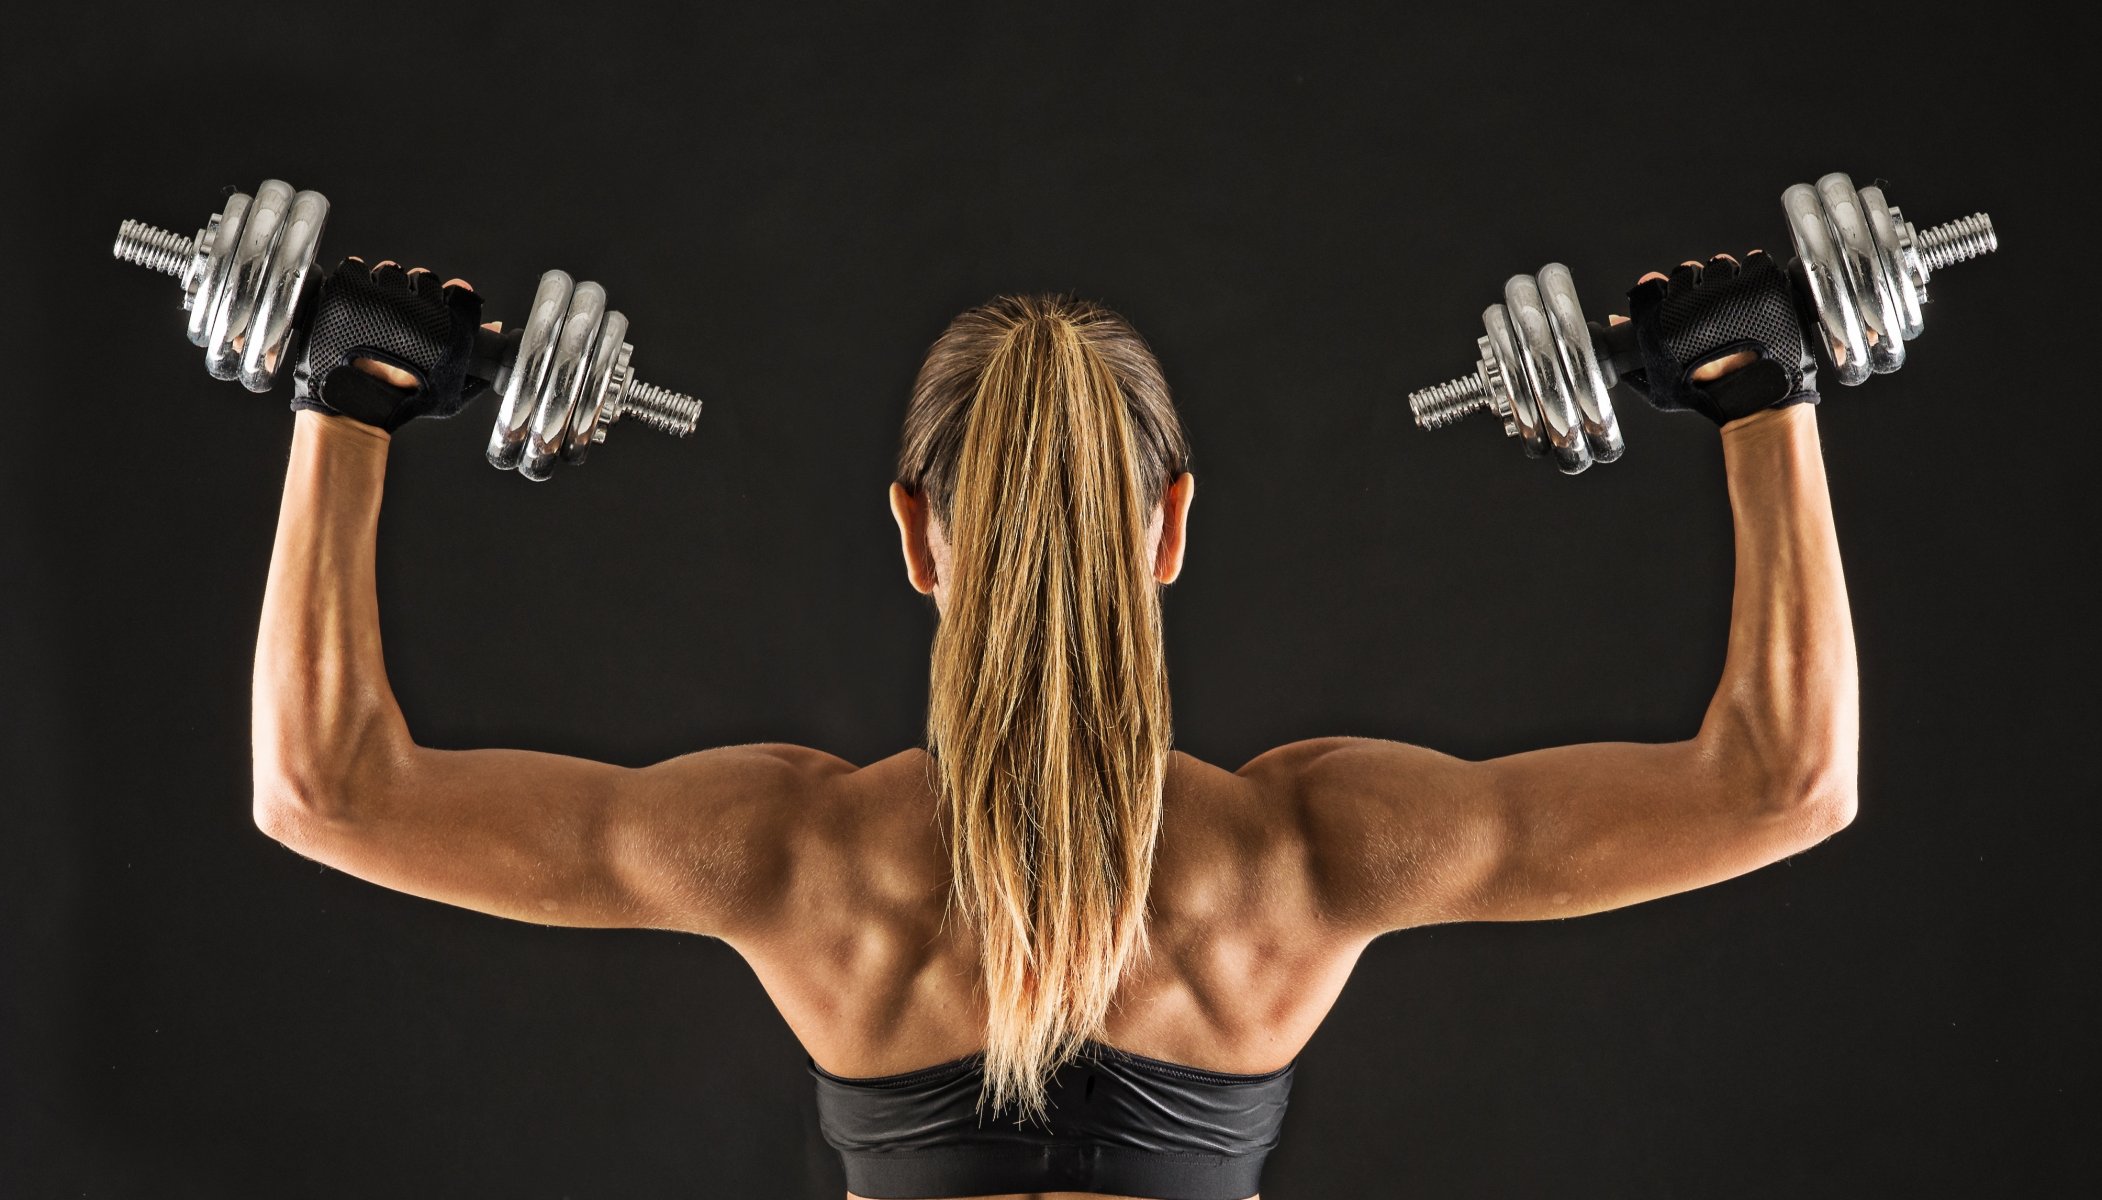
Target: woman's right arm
<point>1400,836</point>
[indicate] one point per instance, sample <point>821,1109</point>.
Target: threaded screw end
<point>1437,407</point>
<point>661,409</point>
<point>1956,241</point>
<point>154,248</point>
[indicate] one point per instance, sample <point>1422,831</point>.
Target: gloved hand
<point>1723,340</point>
<point>387,346</point>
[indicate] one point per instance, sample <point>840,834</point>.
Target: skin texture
<point>1271,879</point>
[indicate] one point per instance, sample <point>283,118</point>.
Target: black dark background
<point>1305,210</point>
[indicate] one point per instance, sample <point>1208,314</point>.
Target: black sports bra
<point>1120,1123</point>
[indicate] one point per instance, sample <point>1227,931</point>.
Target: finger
<point>1722,266</point>
<point>385,262</point>
<point>354,258</point>
<point>1647,294</point>
<point>493,326</point>
<point>1615,319</point>
<point>424,281</point>
<point>1687,273</point>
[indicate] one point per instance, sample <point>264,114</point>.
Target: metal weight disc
<point>598,379</point>
<point>1541,367</point>
<point>1502,352</point>
<point>1900,269</point>
<point>1587,384</point>
<point>225,231</point>
<point>234,305</point>
<point>566,374</point>
<point>1823,276</point>
<point>1865,274</point>
<point>284,277</point>
<point>536,345</point>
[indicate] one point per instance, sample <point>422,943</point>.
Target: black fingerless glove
<point>390,316</point>
<point>1702,314</point>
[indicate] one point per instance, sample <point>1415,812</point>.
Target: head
<point>1042,499</point>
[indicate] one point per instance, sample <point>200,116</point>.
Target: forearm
<point>1785,717</point>
<point>324,714</point>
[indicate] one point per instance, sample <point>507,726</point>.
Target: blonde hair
<point>1041,433</point>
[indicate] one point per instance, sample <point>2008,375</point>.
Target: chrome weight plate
<point>1822,274</point>
<point>287,269</point>
<point>214,248</point>
<point>1501,350</point>
<point>1865,273</point>
<point>234,304</point>
<point>1579,361</point>
<point>1900,260</point>
<point>597,407</point>
<point>1539,371</point>
<point>536,348</point>
<point>568,371</point>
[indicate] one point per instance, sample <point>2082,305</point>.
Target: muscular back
<point>874,981</point>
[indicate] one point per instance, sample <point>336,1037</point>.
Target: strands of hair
<point>1042,434</point>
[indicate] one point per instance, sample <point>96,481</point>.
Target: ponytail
<point>1043,435</point>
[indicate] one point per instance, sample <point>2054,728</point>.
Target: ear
<point>1174,526</point>
<point>910,512</point>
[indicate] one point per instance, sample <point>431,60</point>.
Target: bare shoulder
<point>1375,819</point>
<point>749,830</point>
<point>762,770</point>
<point>1326,767</point>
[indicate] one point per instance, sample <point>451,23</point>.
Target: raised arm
<point>699,843</point>
<point>1400,836</point>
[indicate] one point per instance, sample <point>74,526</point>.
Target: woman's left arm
<point>699,843</point>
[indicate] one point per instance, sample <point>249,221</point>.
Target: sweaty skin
<point>1271,879</point>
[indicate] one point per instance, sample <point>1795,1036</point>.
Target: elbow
<point>293,812</point>
<point>312,769</point>
<point>296,804</point>
<point>1802,788</point>
<point>277,814</point>
<point>1813,794</point>
<point>1827,809</point>
<point>305,787</point>
<point>1789,758</point>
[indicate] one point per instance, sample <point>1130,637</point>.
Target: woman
<point>1046,953</point>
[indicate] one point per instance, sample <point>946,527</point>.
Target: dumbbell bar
<point>1860,268</point>
<point>564,376</point>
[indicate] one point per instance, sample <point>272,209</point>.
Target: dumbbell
<point>1860,272</point>
<point>564,376</point>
